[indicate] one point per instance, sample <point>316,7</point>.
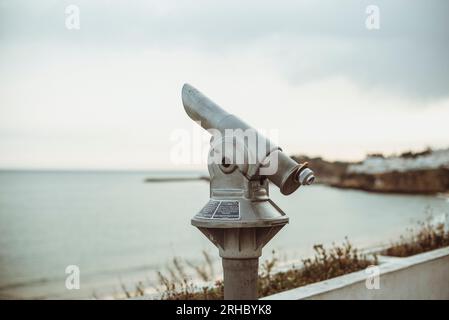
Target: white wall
<point>423,276</point>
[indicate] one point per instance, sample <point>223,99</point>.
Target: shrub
<point>325,264</point>
<point>428,236</point>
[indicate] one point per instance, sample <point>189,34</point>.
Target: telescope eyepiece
<point>306,176</point>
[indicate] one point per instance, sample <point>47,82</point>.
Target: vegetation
<point>178,286</point>
<point>326,264</point>
<point>428,236</point>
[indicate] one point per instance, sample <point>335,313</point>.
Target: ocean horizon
<point>121,230</point>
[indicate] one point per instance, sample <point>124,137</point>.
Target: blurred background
<point>90,107</point>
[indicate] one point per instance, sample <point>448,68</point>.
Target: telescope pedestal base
<point>240,241</point>
<point>240,278</point>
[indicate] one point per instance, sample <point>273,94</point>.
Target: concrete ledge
<point>422,276</point>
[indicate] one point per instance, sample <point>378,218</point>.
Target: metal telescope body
<point>240,218</point>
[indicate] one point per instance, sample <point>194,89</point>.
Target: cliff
<point>425,181</point>
<point>421,173</point>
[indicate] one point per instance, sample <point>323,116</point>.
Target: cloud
<point>108,95</point>
<point>310,40</point>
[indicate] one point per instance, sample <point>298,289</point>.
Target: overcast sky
<point>108,95</point>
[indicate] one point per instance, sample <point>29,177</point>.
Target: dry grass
<point>326,264</point>
<point>178,286</point>
<point>428,236</point>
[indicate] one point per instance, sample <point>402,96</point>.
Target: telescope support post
<point>239,218</point>
<point>240,278</point>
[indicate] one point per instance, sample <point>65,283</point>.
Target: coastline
<point>423,173</point>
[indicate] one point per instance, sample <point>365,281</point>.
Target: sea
<point>120,231</point>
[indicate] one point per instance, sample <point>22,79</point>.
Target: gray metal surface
<point>260,152</point>
<point>240,219</point>
<point>240,278</point>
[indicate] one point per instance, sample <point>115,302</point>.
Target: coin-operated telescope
<point>240,218</point>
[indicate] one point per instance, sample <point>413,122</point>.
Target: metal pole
<point>240,218</point>
<point>240,278</point>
